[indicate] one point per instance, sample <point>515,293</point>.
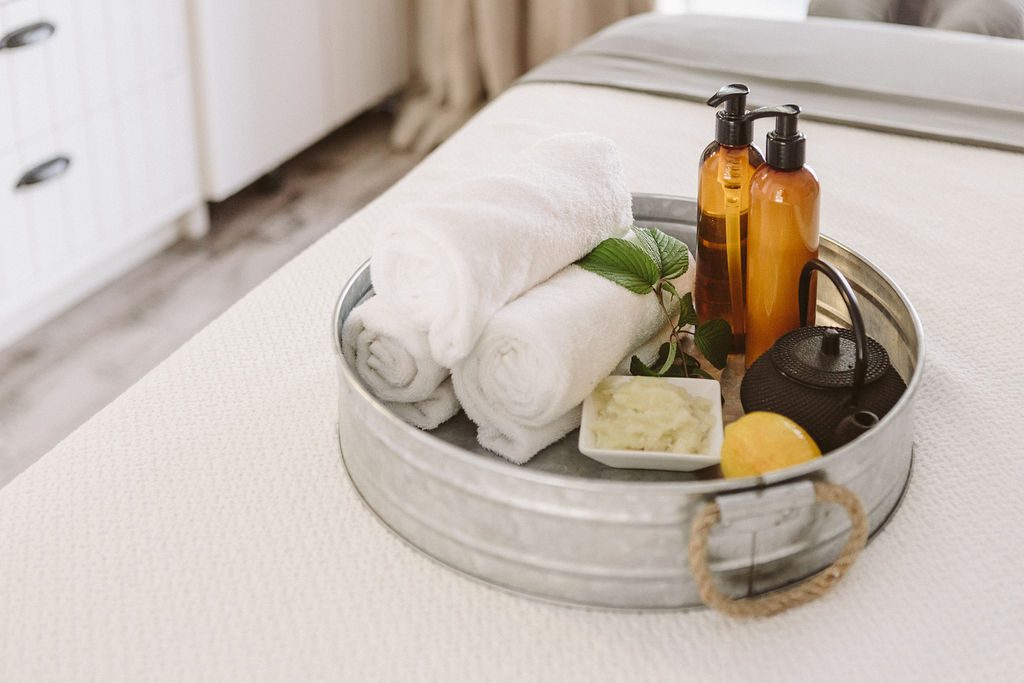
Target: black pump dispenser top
<point>732,128</point>
<point>784,145</point>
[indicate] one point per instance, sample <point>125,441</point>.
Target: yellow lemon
<point>761,442</point>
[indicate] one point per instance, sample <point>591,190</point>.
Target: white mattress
<point>202,526</point>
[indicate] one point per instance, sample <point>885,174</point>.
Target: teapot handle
<point>860,336</point>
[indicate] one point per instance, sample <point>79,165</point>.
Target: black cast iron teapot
<point>833,382</point>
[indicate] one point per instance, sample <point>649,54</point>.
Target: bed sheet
<point>202,526</point>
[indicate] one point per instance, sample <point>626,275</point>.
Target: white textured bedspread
<point>202,527</point>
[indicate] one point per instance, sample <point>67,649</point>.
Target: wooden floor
<point>57,377</point>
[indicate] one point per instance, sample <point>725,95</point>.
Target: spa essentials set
<point>526,296</point>
<point>542,293</point>
<point>569,528</point>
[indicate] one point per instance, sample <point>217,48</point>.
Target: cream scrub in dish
<point>667,423</point>
<point>650,416</point>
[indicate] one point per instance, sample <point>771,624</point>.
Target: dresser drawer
<point>47,203</point>
<point>39,60</point>
<point>128,168</point>
<point>97,146</point>
<point>68,57</point>
<point>44,201</point>
<point>25,67</point>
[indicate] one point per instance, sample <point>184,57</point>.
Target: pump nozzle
<point>782,111</point>
<point>735,98</point>
<point>731,126</point>
<point>785,144</point>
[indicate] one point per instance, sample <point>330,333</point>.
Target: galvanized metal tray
<point>565,528</point>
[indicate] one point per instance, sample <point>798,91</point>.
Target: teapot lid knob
<point>830,342</point>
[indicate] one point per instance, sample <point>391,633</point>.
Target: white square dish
<point>659,460</point>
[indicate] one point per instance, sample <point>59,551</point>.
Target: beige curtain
<point>467,51</point>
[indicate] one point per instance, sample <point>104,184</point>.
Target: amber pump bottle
<point>783,233</point>
<point>723,204</point>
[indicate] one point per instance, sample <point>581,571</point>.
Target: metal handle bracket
<point>764,507</point>
<point>778,601</point>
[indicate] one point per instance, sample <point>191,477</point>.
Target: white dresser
<point>120,118</point>
<point>273,76</point>
<point>97,146</point>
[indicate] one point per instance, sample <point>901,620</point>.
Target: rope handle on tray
<point>778,601</point>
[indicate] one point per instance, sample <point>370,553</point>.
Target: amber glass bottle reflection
<point>723,209</point>
<point>782,237</point>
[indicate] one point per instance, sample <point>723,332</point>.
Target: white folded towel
<point>391,358</point>
<point>395,364</point>
<point>541,355</point>
<point>432,411</point>
<point>449,264</point>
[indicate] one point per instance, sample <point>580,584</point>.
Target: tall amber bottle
<point>723,206</point>
<point>783,233</point>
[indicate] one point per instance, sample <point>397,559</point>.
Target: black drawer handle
<point>48,170</point>
<point>28,35</point>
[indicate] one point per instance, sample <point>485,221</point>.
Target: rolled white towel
<point>432,411</point>
<point>391,358</point>
<point>541,355</point>
<point>394,363</point>
<point>449,264</point>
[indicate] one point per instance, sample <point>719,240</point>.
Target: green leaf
<point>687,314</point>
<point>714,339</point>
<point>669,349</point>
<point>638,368</point>
<point>624,263</point>
<point>662,354</point>
<point>648,244</point>
<point>674,257</point>
<point>683,365</point>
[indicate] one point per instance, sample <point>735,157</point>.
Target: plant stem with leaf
<point>648,264</point>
